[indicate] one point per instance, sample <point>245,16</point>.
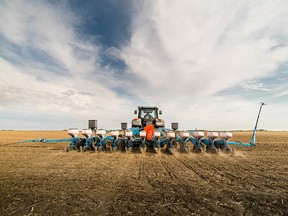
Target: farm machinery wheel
<point>227,150</point>
<point>117,146</point>
<point>171,146</point>
<point>87,148</point>
<point>121,145</point>
<point>100,148</point>
<point>184,148</point>
<point>91,147</point>
<point>196,149</point>
<point>212,150</point>
<point>126,145</point>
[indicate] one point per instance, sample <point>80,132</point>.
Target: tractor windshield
<point>148,113</point>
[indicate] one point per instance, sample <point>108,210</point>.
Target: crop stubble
<point>38,178</point>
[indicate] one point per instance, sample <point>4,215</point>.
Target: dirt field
<point>42,179</point>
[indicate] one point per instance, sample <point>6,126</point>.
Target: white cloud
<point>180,56</point>
<point>205,47</point>
<point>29,88</point>
<point>187,51</point>
<point>43,27</point>
<point>254,85</point>
<point>74,98</point>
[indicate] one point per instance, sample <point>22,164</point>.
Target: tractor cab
<point>147,116</point>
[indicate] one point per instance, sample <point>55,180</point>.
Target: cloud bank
<point>206,64</point>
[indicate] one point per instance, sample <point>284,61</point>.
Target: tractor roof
<point>147,107</point>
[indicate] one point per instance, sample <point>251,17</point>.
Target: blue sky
<point>206,64</point>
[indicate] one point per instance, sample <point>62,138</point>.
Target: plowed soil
<point>42,179</point>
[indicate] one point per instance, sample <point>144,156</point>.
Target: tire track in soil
<point>191,179</point>
<point>177,174</point>
<point>208,172</point>
<point>198,184</point>
<point>146,170</point>
<point>141,169</point>
<point>156,169</point>
<point>254,160</point>
<point>118,183</point>
<point>110,181</point>
<point>151,166</point>
<point>213,177</point>
<point>178,184</point>
<point>178,170</point>
<point>264,179</point>
<point>203,172</point>
<point>220,170</point>
<point>151,169</point>
<point>249,168</point>
<point>216,186</point>
<point>190,167</point>
<point>246,177</point>
<point>236,170</point>
<point>167,169</point>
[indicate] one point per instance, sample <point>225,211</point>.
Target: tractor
<point>148,130</point>
<point>147,115</point>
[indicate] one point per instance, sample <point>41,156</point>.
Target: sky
<point>206,64</point>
